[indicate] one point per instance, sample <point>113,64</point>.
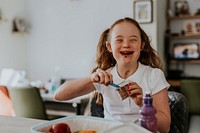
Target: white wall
<point>12,46</point>
<point>64,34</point>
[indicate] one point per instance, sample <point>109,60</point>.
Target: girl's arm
<point>74,88</point>
<point>161,103</point>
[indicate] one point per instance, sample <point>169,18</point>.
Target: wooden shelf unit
<point>175,33</point>
<point>187,36</point>
<point>184,17</point>
<point>185,61</point>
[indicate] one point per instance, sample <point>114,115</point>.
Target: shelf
<point>189,36</point>
<point>174,82</point>
<point>185,61</point>
<point>184,17</point>
<point>177,82</point>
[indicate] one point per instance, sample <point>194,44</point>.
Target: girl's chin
<point>126,62</point>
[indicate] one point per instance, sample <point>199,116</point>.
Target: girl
<point>124,57</point>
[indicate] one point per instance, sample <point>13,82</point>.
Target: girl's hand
<point>101,77</point>
<point>135,92</point>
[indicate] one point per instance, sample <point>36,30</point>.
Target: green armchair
<point>27,102</point>
<point>190,88</point>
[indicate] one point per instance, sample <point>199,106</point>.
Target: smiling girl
<point>124,57</point>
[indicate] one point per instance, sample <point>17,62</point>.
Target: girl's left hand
<point>135,92</point>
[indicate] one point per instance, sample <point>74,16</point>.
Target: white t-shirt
<point>148,78</point>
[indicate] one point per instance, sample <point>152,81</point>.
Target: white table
<point>10,124</point>
<point>76,102</point>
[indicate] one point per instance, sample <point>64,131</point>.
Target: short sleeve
<point>157,81</point>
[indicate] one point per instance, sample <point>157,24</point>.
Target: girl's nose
<point>125,43</point>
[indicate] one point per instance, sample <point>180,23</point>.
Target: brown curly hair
<point>105,59</point>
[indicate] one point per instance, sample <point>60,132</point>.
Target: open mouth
<point>126,52</point>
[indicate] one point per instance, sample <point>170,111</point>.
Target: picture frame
<point>181,8</point>
<point>143,11</point>
<point>19,25</point>
<point>186,51</point>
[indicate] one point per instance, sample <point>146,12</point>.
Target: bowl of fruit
<point>74,124</point>
<point>85,124</point>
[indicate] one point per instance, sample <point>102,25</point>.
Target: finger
<point>139,97</point>
<point>134,89</point>
<point>135,92</point>
<point>138,100</point>
<point>108,78</point>
<point>105,77</point>
<point>132,86</point>
<point>101,77</point>
<point>96,78</point>
<point>111,78</point>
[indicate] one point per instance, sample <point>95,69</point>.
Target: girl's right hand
<point>102,77</point>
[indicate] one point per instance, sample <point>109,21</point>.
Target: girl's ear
<point>108,46</point>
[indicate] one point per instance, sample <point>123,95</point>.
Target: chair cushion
<point>95,108</point>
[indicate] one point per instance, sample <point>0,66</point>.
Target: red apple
<point>50,130</point>
<point>61,128</point>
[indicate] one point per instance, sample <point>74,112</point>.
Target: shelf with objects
<point>182,39</point>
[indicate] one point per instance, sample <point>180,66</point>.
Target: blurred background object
<point>13,78</point>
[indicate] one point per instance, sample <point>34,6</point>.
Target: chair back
<point>179,108</point>
<point>190,88</point>
<point>6,106</point>
<point>27,102</point>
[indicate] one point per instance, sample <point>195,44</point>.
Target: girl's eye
<point>119,40</point>
<point>133,40</point>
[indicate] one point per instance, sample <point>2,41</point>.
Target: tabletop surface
<point>16,124</point>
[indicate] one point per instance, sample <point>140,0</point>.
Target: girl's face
<point>125,43</point>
